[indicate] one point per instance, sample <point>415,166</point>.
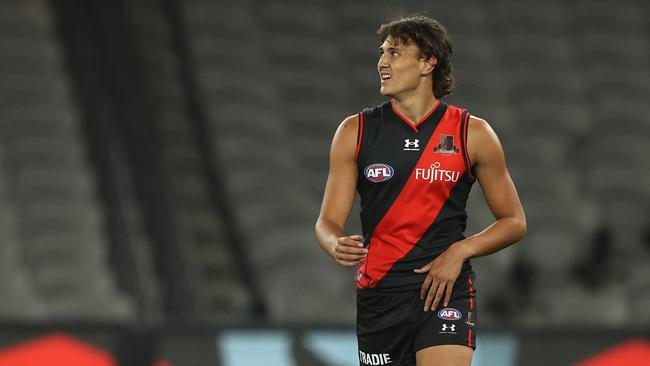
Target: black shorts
<point>392,326</point>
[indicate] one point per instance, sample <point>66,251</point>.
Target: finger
<point>439,294</point>
<point>448,295</point>
<point>356,237</point>
<point>430,295</point>
<point>350,242</point>
<point>347,263</point>
<point>350,257</point>
<point>425,287</point>
<point>423,269</point>
<point>342,254</point>
<point>350,250</point>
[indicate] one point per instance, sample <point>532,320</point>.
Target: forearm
<point>327,232</point>
<point>501,234</point>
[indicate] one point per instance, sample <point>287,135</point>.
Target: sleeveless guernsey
<point>414,181</point>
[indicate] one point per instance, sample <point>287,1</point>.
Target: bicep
<point>491,171</point>
<point>342,177</point>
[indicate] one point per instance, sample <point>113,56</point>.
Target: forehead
<point>393,42</point>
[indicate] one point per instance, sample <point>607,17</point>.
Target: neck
<point>415,106</point>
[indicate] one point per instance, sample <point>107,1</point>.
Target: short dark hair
<point>432,38</point>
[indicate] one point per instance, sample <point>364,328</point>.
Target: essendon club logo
<point>446,145</point>
<point>378,172</point>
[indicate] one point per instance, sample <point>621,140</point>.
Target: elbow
<point>317,225</point>
<point>320,222</point>
<point>320,227</point>
<point>520,229</point>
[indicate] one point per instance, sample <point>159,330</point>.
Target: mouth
<point>384,76</point>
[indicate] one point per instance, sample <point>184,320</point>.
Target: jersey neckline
<point>408,122</point>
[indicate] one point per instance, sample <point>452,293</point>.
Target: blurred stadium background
<point>162,164</point>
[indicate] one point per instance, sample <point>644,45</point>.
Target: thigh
<point>385,332</point>
<point>445,355</point>
<point>454,324</point>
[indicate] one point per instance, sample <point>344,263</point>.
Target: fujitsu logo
<point>434,173</point>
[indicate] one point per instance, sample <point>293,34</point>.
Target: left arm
<point>486,154</point>
<point>492,174</point>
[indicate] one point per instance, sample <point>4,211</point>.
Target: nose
<point>382,62</point>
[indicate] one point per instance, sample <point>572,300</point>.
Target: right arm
<point>339,198</point>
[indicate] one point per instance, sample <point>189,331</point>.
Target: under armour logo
<point>411,145</point>
<point>446,327</point>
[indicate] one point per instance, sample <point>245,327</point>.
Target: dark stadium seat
<point>57,223</point>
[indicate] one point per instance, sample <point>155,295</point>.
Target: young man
<point>413,161</point>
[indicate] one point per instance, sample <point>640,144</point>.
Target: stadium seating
<point>55,244</point>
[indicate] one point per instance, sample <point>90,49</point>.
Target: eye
<point>394,53</point>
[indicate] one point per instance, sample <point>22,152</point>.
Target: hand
<point>443,272</point>
<point>348,250</point>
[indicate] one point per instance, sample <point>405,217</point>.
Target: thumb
<point>423,269</point>
<point>356,237</point>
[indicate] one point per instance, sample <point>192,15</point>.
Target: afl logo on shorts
<point>378,172</point>
<point>449,314</point>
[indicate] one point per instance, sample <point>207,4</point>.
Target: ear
<point>428,65</point>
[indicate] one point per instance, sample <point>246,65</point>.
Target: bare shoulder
<point>482,141</point>
<point>347,130</point>
<point>480,128</point>
<point>344,142</point>
<point>349,125</point>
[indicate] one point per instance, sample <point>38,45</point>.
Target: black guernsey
<point>414,180</point>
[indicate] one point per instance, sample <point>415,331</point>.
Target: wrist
<point>463,250</point>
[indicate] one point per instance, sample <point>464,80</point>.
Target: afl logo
<point>378,172</point>
<point>449,314</point>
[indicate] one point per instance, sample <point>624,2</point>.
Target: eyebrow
<point>391,48</point>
